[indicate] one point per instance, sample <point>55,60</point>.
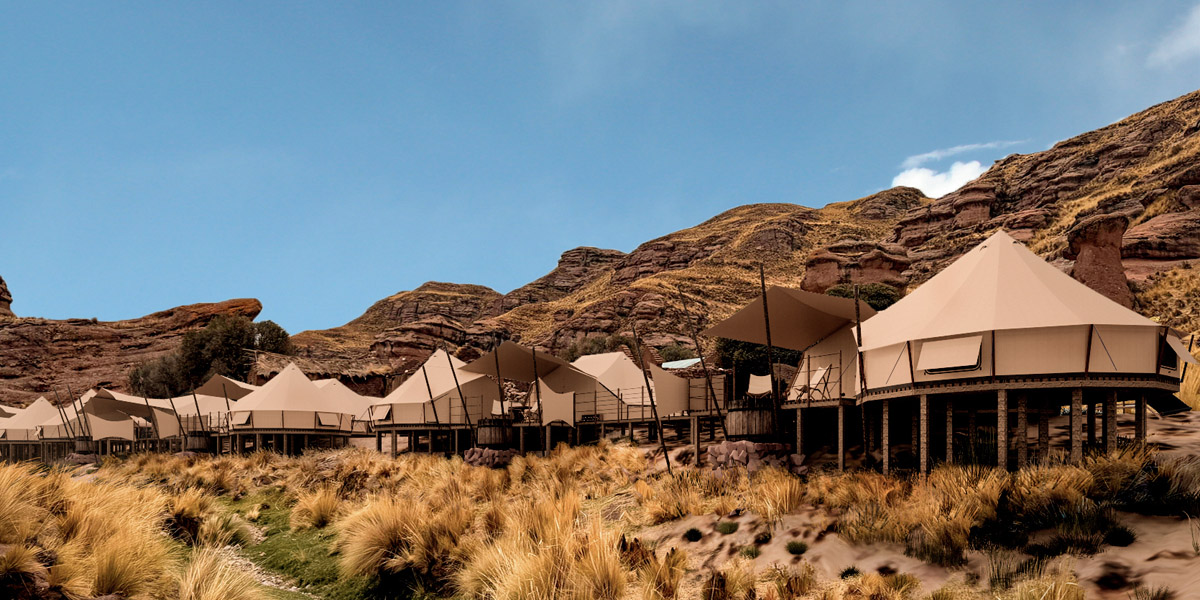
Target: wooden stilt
<point>1091,423</point>
<point>696,439</point>
<point>949,432</point>
<point>1076,425</point>
<point>885,432</point>
<point>799,431</point>
<point>924,433</point>
<point>841,412</point>
<point>1043,431</point>
<point>1002,429</point>
<point>1139,419</point>
<point>1110,421</point>
<point>1022,431</point>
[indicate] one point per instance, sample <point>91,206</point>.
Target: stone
<point>1173,236</point>
<point>5,300</point>
<point>855,262</point>
<point>1095,245</point>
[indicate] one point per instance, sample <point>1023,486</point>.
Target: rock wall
<point>856,262</point>
<point>5,300</point>
<point>39,356</point>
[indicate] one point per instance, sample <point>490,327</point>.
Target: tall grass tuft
<point>210,577</point>
<point>316,509</point>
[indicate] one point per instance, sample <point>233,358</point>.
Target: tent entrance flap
<point>1180,350</point>
<point>954,354</point>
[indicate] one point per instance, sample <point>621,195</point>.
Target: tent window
<point>1174,352</point>
<point>241,418</point>
<point>328,419</point>
<point>951,355</point>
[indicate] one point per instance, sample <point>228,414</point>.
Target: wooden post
<point>841,409</point>
<point>463,399</point>
<point>712,393</point>
<point>1002,429</point>
<point>1022,430</point>
<point>546,447</point>
<point>1139,419</point>
<point>637,344</point>
<point>395,444</point>
<point>521,438</point>
<point>696,439</point>
<point>924,434</point>
<point>762,281</point>
<point>799,431</point>
<point>1076,425</point>
<point>1110,421</point>
<point>499,381</point>
<point>949,431</point>
<point>972,416</point>
<point>1043,431</point>
<point>1091,423</point>
<point>379,441</point>
<point>432,403</point>
<point>886,433</point>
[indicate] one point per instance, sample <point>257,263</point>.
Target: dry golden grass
<point>210,577</point>
<point>316,509</point>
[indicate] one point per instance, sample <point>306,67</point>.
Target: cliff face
<point>38,356</point>
<point>1118,208</point>
<point>5,300</point>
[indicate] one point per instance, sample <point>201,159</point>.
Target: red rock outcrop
<point>1094,243</point>
<point>1173,236</point>
<point>576,268</point>
<point>39,356</point>
<point>5,300</point>
<point>856,261</point>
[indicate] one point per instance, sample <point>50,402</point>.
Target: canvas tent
<point>1002,311</point>
<point>410,403</point>
<point>23,427</point>
<point>565,393</point>
<point>290,401</point>
<point>220,386</point>
<point>9,411</point>
<point>110,415</point>
<point>54,428</point>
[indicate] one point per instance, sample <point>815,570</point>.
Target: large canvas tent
<point>411,403</point>
<point>562,392</point>
<point>23,427</point>
<point>291,402</point>
<point>1001,311</point>
<point>220,386</point>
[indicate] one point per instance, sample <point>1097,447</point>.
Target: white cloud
<point>917,160</point>
<point>935,184</point>
<point>1180,44</point>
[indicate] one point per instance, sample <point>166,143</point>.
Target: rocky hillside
<point>1118,208</point>
<point>38,356</point>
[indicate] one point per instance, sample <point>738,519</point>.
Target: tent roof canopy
<point>441,380</point>
<point>799,319</point>
<point>516,363</point>
<point>222,386</point>
<point>35,414</point>
<point>613,369</point>
<point>997,285</point>
<point>290,390</point>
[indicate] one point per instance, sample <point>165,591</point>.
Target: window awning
<point>380,412</point>
<point>953,353</point>
<point>1176,344</point>
<point>241,418</point>
<point>328,419</point>
<point>759,384</point>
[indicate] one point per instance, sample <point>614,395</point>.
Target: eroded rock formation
<point>5,300</point>
<point>856,261</point>
<point>38,356</point>
<point>1094,243</point>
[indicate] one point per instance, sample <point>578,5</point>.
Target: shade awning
<point>1176,344</point>
<point>516,362</point>
<point>953,353</point>
<point>759,384</point>
<point>799,319</point>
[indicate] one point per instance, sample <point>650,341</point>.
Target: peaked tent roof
<point>441,380</point>
<point>516,363</point>
<point>35,414</point>
<point>220,386</point>
<point>343,396</point>
<point>9,411</point>
<point>614,369</point>
<point>799,319</point>
<point>997,285</point>
<point>289,390</point>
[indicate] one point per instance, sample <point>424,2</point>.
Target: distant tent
<point>410,402</point>
<point>1002,311</point>
<point>566,393</point>
<point>23,427</point>
<point>290,401</point>
<point>54,428</point>
<point>220,386</point>
<point>799,319</point>
<point>8,411</point>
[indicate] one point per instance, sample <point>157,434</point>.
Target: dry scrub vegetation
<point>355,524</point>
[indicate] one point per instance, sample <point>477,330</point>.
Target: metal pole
<point>862,375</point>
<point>461,397</point>
<point>79,416</point>
<point>700,351</point>
<point>537,388</point>
<point>179,421</point>
<point>153,420</point>
<point>429,390</point>
<point>63,415</point>
<point>199,417</point>
<point>499,381</point>
<point>762,282</point>
<point>662,442</point>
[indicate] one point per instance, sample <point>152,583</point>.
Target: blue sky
<point>320,156</point>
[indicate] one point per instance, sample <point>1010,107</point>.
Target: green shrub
<point>848,572</point>
<point>1120,536</point>
<point>727,527</point>
<point>751,552</point>
<point>692,535</point>
<point>797,547</point>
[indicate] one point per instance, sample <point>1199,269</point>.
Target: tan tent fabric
<point>53,428</point>
<point>516,363</point>
<point>410,402</point>
<point>759,384</point>
<point>799,319</point>
<point>1177,345</point>
<point>950,353</point>
<point>617,372</point>
<point>346,398</point>
<point>671,393</point>
<point>556,406</point>
<point>998,285</point>
<point>290,401</point>
<point>9,411</point>
<point>220,386</point>
<point>23,426</point>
